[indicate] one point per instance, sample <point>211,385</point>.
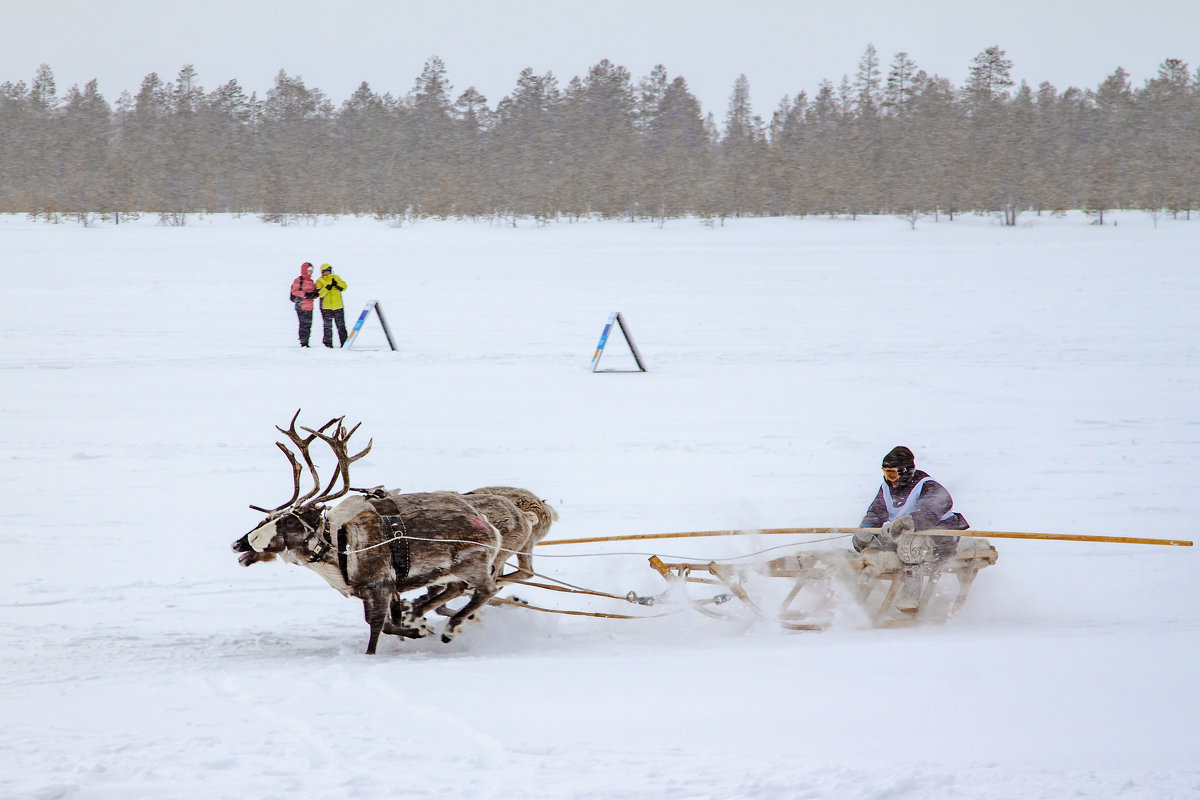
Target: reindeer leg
<point>524,569</point>
<point>402,623</point>
<point>404,632</point>
<point>483,592</point>
<point>375,609</point>
<point>423,601</point>
<point>439,598</point>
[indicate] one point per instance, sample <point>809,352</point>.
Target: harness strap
<point>343,566</point>
<point>399,544</point>
<point>389,512</point>
<point>321,532</point>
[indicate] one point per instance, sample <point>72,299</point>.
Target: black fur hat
<point>899,456</point>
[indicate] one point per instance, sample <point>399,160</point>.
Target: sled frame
<point>865,574</point>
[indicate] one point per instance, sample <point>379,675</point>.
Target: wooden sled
<point>819,579</point>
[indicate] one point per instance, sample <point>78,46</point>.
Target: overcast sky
<point>782,46</point>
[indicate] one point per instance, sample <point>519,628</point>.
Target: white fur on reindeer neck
<point>346,510</point>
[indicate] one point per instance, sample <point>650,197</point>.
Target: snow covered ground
<point>1048,375</point>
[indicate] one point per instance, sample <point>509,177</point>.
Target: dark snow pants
<point>329,318</point>
<point>305,319</point>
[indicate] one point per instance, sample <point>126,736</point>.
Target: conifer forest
<point>887,139</point>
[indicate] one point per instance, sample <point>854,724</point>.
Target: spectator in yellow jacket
<point>329,289</point>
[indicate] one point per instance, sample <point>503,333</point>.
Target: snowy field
<point>1048,375</point>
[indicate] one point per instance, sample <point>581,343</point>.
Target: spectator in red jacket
<point>304,290</point>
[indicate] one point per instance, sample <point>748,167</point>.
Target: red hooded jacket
<point>303,288</point>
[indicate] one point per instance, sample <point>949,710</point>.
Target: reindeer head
<point>300,532</point>
<point>297,526</point>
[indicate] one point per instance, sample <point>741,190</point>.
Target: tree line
<point>890,140</point>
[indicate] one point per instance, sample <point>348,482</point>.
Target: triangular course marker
<point>371,304</point>
<point>616,318</point>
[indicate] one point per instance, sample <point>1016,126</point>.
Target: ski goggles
<point>894,473</point>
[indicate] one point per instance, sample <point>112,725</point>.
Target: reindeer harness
<point>320,533</point>
<point>401,555</point>
<point>398,541</point>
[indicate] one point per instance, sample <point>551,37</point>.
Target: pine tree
<point>143,145</point>
<point>867,95</point>
<point>676,147</point>
<point>903,84</point>
<point>186,171</point>
<point>229,116</point>
<point>1049,143</point>
<point>990,77</point>
<point>942,152</point>
<point>1175,72</point>
<point>985,93</point>
<point>43,95</point>
<point>1016,175</point>
<point>787,140</point>
<point>741,157</point>
<point>372,178</point>
<point>473,173</point>
<point>295,149</point>
<point>431,153</point>
<point>819,168</point>
<point>45,140</point>
<point>532,168</point>
<point>1172,141</point>
<point>19,146</point>
<point>739,115</point>
<point>651,91</point>
<point>602,109</point>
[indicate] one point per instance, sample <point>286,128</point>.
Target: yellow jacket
<point>329,289</point>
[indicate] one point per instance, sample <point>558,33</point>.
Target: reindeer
<point>522,519</point>
<point>515,527</point>
<point>543,516</point>
<point>376,547</point>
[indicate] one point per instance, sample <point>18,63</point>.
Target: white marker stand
<point>371,304</point>
<point>616,318</point>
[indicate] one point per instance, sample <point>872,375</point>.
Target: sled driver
<point>908,501</point>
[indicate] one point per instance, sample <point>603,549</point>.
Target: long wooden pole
<point>1064,537</point>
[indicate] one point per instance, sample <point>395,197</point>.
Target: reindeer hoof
<point>414,630</point>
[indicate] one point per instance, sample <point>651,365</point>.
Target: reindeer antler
<point>337,443</point>
<point>302,444</point>
<point>296,469</point>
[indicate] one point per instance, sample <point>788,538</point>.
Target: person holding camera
<point>304,291</point>
<point>330,288</point>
